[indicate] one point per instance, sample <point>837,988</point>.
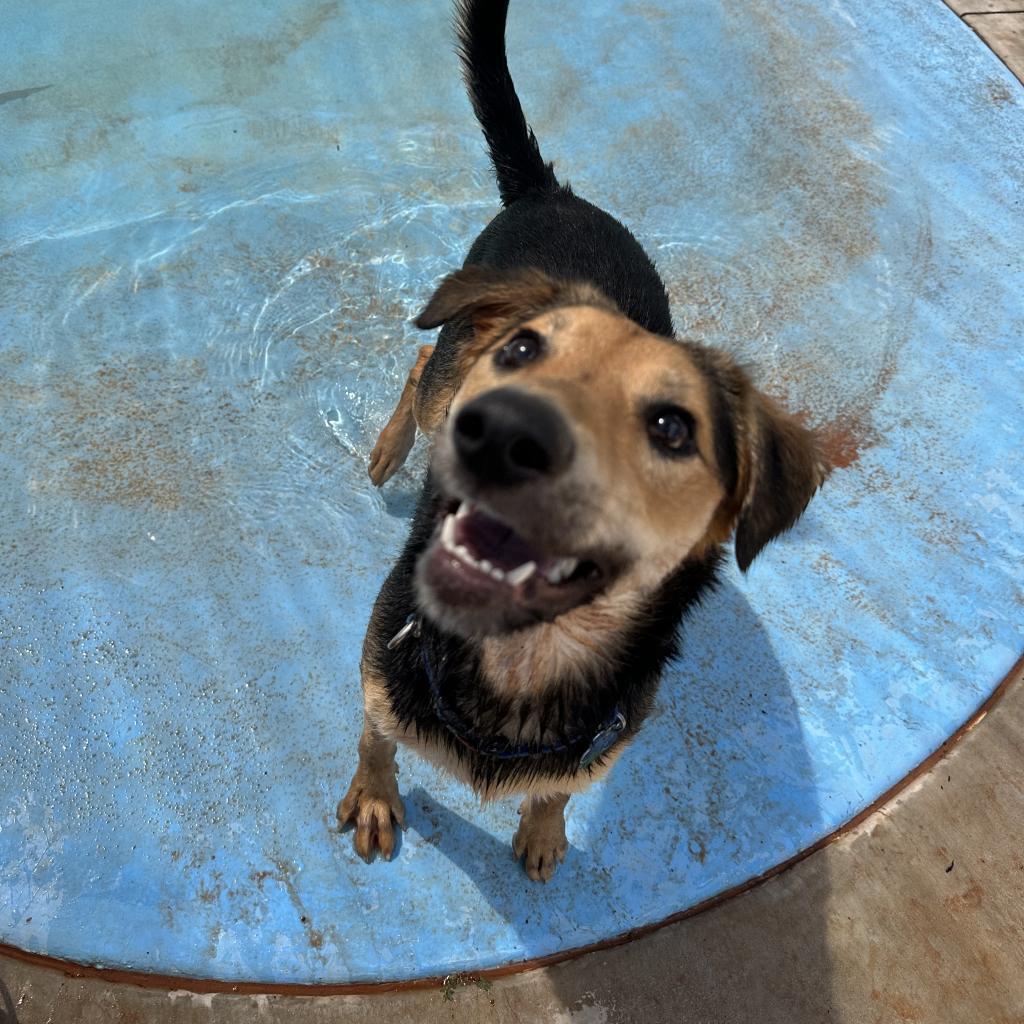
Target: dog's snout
<point>509,437</point>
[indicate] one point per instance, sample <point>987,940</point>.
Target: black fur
<point>785,475</point>
<point>544,226</point>
<point>517,161</point>
<point>569,707</point>
<point>725,398</point>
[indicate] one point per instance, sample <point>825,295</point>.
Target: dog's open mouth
<point>479,571</point>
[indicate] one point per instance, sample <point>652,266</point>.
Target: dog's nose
<point>510,437</point>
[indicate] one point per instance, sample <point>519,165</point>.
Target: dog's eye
<point>671,430</point>
<point>524,348</point>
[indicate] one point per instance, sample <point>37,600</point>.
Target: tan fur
<point>396,439</point>
<point>376,706</point>
<point>485,301</point>
<point>372,803</point>
<point>445,760</point>
<point>604,373</point>
<point>489,299</point>
<point>382,727</point>
<point>540,839</point>
<point>524,662</point>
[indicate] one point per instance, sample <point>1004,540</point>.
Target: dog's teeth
<point>464,553</point>
<point>521,574</point>
<point>485,565</point>
<point>448,533</point>
<point>562,569</point>
<point>463,510</point>
<point>497,574</point>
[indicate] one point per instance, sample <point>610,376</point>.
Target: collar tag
<point>411,626</point>
<point>604,740</point>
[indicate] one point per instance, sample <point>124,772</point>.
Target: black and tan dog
<point>586,467</point>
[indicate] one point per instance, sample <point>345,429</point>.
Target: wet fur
<point>576,703</point>
<point>549,250</point>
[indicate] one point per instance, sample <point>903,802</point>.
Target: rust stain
<point>209,894</point>
<point>122,436</point>
<point>249,63</point>
<point>830,192</point>
<point>970,899</point>
<point>281,131</point>
<point>997,92</point>
<point>900,1005</point>
<point>283,874</point>
<point>213,933</point>
<point>843,438</point>
<point>849,432</point>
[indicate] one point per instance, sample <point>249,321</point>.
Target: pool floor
<point>216,227</point>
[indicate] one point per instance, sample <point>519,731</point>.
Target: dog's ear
<point>782,468</point>
<point>488,297</point>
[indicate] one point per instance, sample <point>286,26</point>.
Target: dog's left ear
<point>488,297</point>
<point>783,468</point>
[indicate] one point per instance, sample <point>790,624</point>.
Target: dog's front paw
<point>540,841</point>
<point>372,804</point>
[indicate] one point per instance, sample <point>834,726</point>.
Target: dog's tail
<point>516,157</point>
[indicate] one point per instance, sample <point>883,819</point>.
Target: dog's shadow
<point>7,1014</point>
<point>719,777</point>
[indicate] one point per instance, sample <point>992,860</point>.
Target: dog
<point>586,469</point>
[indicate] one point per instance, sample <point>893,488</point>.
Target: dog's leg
<point>372,802</point>
<point>540,841</point>
<point>428,392</point>
<point>396,439</point>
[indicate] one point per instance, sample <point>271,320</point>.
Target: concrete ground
<point>1001,24</point>
<point>916,915</point>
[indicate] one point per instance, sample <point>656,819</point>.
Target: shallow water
<point>218,226</point>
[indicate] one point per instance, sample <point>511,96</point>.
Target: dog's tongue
<point>487,538</point>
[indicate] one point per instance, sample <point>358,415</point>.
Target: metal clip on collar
<point>412,625</point>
